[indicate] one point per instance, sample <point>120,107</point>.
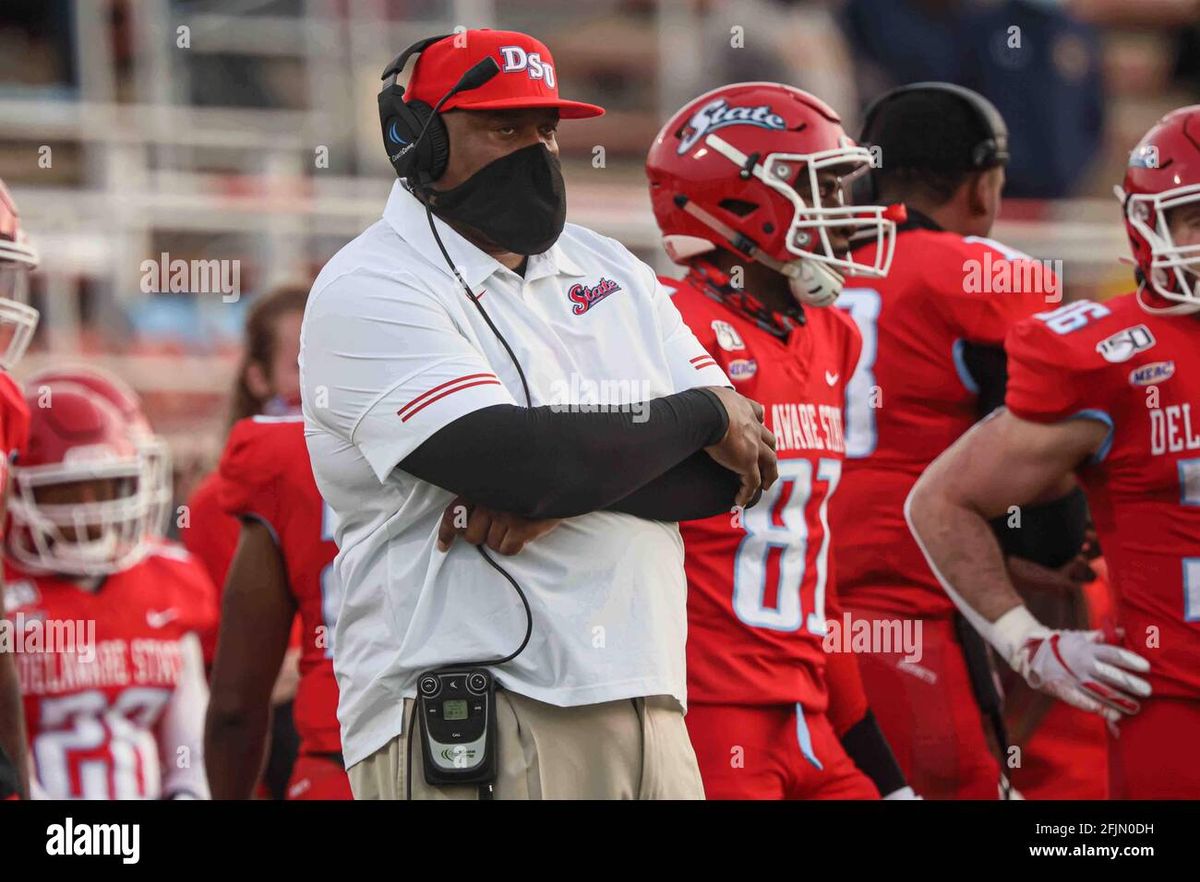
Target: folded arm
<point>545,462</point>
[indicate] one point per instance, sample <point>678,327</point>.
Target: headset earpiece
<point>434,151</point>
<point>401,123</point>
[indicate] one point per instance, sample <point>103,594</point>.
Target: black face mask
<point>518,201</point>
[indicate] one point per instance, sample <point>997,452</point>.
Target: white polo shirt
<point>391,351</point>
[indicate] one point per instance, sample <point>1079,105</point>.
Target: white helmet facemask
<point>84,538</point>
<point>1174,269</point>
<point>817,272</point>
<point>18,320</point>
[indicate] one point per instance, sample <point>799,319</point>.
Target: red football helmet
<point>121,396</point>
<point>1163,174</point>
<point>79,502</point>
<point>739,168</point>
<point>18,320</point>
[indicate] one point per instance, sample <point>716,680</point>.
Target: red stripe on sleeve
<point>440,387</point>
<point>404,418</point>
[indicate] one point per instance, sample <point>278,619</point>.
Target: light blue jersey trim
<point>805,739</point>
<point>1099,415</point>
<point>960,365</point>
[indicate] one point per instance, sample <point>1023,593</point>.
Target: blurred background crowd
<point>246,130</point>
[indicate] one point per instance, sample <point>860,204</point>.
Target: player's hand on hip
<point>748,448</point>
<point>1032,578</point>
<point>501,531</point>
<point>1079,668</point>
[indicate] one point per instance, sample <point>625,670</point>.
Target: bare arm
<point>256,618</point>
<point>1001,462</point>
<point>1005,461</point>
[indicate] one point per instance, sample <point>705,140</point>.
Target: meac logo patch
<point>742,368</point>
<point>716,114</point>
<point>1149,374</point>
<point>516,59</point>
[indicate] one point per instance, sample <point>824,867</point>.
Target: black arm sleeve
<point>988,367</point>
<point>544,462</point>
<point>696,488</point>
<point>865,743</point>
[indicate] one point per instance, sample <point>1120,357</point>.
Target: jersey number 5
<point>774,554</point>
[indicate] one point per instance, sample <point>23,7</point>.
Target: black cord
<point>524,600</point>
<point>412,724</point>
<point>528,403</point>
<point>471,296</point>
<point>486,791</point>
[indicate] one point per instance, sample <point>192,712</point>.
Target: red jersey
<point>265,474</point>
<point>14,430</point>
<point>212,536</point>
<point>912,396</point>
<point>99,670</point>
<point>757,589</point>
<point>1139,374</point>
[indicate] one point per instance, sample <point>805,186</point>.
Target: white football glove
<point>904,793</point>
<point>1077,667</point>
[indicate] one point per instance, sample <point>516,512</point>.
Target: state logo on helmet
<point>79,504</point>
<point>128,404</point>
<point>1163,176</point>
<point>18,258</point>
<point>761,169</point>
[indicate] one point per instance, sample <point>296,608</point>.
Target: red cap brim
<point>566,109</point>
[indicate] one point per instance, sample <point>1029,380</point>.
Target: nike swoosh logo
<point>160,619</point>
<point>830,378</point>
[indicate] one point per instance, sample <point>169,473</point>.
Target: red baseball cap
<point>527,78</point>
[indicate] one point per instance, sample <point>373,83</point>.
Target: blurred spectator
<point>787,41</point>
<point>1031,58</point>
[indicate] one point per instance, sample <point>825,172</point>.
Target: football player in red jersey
<point>109,663</point>
<point>283,565</point>
<point>1105,391</point>
<point>746,183</point>
<point>18,321</point>
<point>267,383</point>
<point>121,396</point>
<point>932,365</point>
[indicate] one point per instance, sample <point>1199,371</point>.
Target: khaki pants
<point>628,749</point>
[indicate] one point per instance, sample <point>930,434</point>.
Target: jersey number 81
<point>775,551</point>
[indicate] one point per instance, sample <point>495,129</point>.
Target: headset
<point>986,153</point>
<point>455,708</point>
<point>414,135</point>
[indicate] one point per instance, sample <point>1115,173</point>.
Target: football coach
<point>505,415</point>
